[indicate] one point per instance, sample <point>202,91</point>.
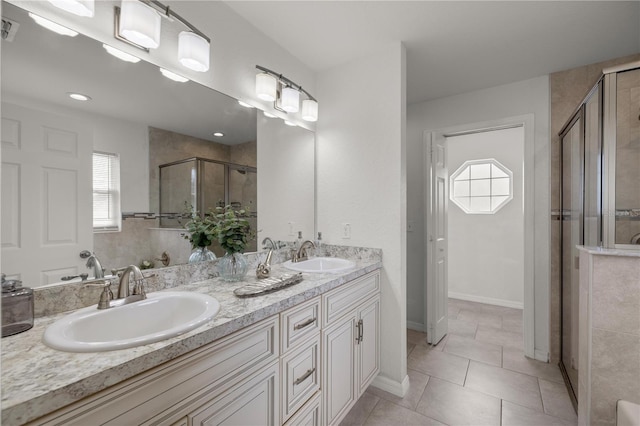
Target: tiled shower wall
<point>568,89</point>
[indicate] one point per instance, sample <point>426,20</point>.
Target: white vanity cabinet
<point>306,365</point>
<point>351,344</point>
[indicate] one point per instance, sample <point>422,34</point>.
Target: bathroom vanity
<point>301,355</point>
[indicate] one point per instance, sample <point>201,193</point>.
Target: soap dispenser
<point>17,307</point>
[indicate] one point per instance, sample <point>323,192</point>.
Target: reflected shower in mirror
<point>134,112</point>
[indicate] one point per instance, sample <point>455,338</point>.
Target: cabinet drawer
<point>300,376</point>
<point>309,415</point>
<point>299,322</point>
<point>338,302</point>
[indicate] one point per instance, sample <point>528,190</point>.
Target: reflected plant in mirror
<point>200,231</point>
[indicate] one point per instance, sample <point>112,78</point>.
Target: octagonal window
<point>481,186</point>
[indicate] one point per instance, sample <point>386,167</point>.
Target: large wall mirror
<point>164,134</point>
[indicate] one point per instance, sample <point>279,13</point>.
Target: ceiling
<point>452,46</point>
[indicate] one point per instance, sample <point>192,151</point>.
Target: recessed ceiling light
<point>218,134</point>
<point>79,96</point>
<point>173,76</point>
<point>268,114</point>
<point>120,54</point>
<point>244,104</point>
<point>52,26</point>
<point>290,123</point>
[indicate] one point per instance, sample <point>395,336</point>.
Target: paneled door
<point>437,203</point>
<point>46,195</point>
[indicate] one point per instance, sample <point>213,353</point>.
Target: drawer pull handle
<point>360,326</point>
<point>304,376</point>
<point>304,324</point>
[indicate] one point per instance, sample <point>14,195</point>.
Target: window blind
<point>106,192</point>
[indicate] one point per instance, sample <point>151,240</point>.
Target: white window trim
<point>468,164</point>
<point>113,223</point>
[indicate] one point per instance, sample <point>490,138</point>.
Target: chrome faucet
<point>264,269</point>
<point>93,262</point>
<point>138,286</point>
<point>302,253</point>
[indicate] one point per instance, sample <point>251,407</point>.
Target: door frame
<point>527,122</point>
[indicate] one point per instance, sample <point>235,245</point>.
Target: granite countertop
<point>37,380</point>
<point>610,252</point>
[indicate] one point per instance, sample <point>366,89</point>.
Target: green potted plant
<point>233,232</point>
<point>200,231</point>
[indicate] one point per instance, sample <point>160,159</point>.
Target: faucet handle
<point>106,296</point>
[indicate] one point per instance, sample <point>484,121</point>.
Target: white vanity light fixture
<point>269,115</point>
<point>173,76</point>
<point>285,94</point>
<point>139,23</point>
<point>84,8</point>
<point>290,100</point>
<point>52,26</point>
<point>246,105</point>
<point>290,123</point>
<point>123,56</point>
<point>193,51</point>
<point>79,96</point>
<point>266,87</point>
<point>218,134</point>
<point>310,110</point>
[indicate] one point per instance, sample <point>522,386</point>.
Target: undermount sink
<point>160,316</point>
<point>320,265</point>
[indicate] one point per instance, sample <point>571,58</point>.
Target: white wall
<point>486,251</point>
<point>524,97</point>
<point>236,46</point>
<point>361,181</point>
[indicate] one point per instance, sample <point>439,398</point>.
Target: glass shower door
<point>572,235</point>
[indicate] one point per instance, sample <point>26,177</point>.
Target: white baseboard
<point>541,355</point>
<point>415,326</point>
<point>391,386</point>
<point>487,300</point>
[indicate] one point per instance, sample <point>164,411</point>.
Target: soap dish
<point>268,285</point>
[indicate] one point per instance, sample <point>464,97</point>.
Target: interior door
<point>47,215</point>
<point>437,200</point>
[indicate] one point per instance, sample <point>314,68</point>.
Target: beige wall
<point>609,367</point>
<point>568,89</point>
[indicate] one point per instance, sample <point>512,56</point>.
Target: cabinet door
<point>339,385</point>
<point>369,343</point>
<point>254,402</point>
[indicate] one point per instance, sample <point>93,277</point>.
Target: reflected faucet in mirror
<point>93,262</point>
<point>302,254</point>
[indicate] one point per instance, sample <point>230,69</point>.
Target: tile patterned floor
<point>477,375</point>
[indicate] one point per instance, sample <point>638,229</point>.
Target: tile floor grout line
<point>372,409</point>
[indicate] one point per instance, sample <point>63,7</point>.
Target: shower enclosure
<point>600,190</point>
<point>206,184</point>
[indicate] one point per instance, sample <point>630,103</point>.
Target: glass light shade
<point>289,123</point>
<point>123,56</point>
<point>77,7</point>
<point>290,101</point>
<point>309,110</point>
<point>193,51</point>
<point>266,87</point>
<point>140,24</point>
<point>52,26</point>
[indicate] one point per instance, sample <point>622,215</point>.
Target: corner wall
<point>515,99</point>
<point>361,181</point>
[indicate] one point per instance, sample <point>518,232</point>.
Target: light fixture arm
<point>168,13</point>
<point>283,79</point>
